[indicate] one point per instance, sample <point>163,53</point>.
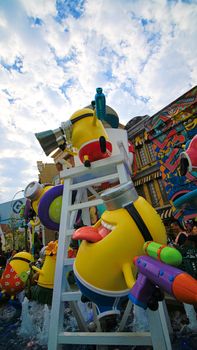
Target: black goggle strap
<point>81,117</point>
<point>139,222</point>
<point>23,259</point>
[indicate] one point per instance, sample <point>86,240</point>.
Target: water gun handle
<point>145,294</point>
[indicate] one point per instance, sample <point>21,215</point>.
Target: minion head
<point>76,127</point>
<point>81,114</point>
<point>128,218</point>
<point>20,262</point>
<point>139,213</point>
<point>86,127</point>
<point>34,191</point>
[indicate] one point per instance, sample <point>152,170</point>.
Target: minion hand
<point>31,264</point>
<point>24,276</point>
<point>156,296</point>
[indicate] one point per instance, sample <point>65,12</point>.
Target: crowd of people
<point>185,240</point>
<point>185,236</point>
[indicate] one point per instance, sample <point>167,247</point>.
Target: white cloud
<point>143,54</point>
<point>39,8</point>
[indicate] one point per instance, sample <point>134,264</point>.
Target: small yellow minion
<point>43,291</point>
<point>47,272</point>
<point>16,274</point>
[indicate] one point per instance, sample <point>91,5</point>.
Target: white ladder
<point>76,179</point>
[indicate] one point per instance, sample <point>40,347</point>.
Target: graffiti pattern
<point>170,130</point>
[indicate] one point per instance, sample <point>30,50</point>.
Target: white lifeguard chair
<point>82,180</point>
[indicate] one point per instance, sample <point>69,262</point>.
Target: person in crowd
<point>13,252</point>
<point>180,235</point>
<point>8,253</point>
<point>192,237</point>
<point>2,259</point>
<point>37,244</point>
<point>38,262</point>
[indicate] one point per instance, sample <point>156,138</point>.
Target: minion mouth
<point>93,234</point>
<point>104,229</point>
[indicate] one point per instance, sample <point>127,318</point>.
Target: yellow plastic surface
<point>108,264</point>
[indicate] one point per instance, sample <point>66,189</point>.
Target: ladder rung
<point>83,205</point>
<point>103,338</point>
<point>94,181</point>
<point>69,261</point>
<point>96,167</point>
<point>71,296</point>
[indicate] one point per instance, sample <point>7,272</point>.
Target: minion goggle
<point>66,127</point>
<point>124,196</point>
<point>21,259</point>
<point>69,123</point>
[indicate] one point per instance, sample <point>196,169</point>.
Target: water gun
<point>102,111</point>
<point>157,273</point>
<point>100,104</point>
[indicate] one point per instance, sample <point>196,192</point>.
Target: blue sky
<point>53,55</point>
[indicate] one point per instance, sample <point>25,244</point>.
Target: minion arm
<point>37,270</point>
<point>128,275</point>
<point>95,119</point>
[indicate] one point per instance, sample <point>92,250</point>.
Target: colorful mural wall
<point>171,130</point>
